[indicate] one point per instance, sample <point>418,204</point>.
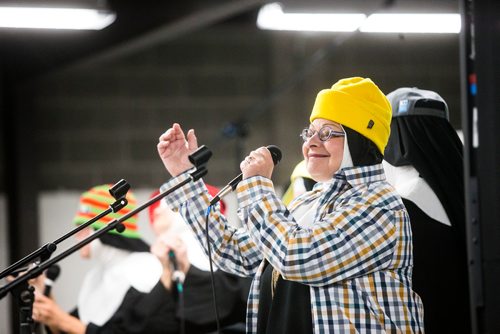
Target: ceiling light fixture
<point>271,16</point>
<point>55,18</point>
<point>413,23</point>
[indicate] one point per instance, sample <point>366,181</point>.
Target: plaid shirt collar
<point>354,176</point>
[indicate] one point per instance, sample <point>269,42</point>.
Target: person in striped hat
<point>123,292</point>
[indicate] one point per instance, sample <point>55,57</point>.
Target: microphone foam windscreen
<point>275,153</point>
<point>53,272</point>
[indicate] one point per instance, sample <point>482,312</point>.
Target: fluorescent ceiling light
<point>271,16</point>
<point>413,23</point>
<point>55,18</point>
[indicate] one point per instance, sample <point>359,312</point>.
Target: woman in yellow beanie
<point>338,259</point>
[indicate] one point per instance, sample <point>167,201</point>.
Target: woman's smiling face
<point>323,158</point>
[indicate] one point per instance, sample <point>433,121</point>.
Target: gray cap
<point>407,101</point>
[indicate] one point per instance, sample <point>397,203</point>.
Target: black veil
<point>422,136</point>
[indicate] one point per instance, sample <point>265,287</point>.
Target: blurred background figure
<point>197,310</point>
<point>300,182</point>
<point>123,293</point>
<point>424,162</point>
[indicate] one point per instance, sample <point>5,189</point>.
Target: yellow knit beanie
<point>358,104</point>
<point>300,171</point>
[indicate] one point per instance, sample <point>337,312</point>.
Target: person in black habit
<point>196,314</point>
<point>424,162</point>
<point>122,292</point>
<point>129,290</point>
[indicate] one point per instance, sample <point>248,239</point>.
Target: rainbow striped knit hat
<point>98,199</point>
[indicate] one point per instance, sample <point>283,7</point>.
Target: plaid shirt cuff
<point>183,194</point>
<point>252,189</point>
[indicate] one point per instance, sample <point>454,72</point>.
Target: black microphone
<point>275,154</point>
<point>51,274</point>
<point>177,275</point>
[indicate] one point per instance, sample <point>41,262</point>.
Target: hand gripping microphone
<point>51,274</point>
<point>276,155</point>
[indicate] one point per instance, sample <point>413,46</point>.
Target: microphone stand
<point>26,322</point>
<point>23,292</point>
<point>118,191</point>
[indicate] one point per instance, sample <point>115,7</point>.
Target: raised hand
<point>174,149</point>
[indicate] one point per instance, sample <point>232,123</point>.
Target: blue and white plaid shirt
<point>356,256</point>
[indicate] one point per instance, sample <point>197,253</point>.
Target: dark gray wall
<point>98,123</point>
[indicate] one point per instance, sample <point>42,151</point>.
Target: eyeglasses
<point>325,133</point>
